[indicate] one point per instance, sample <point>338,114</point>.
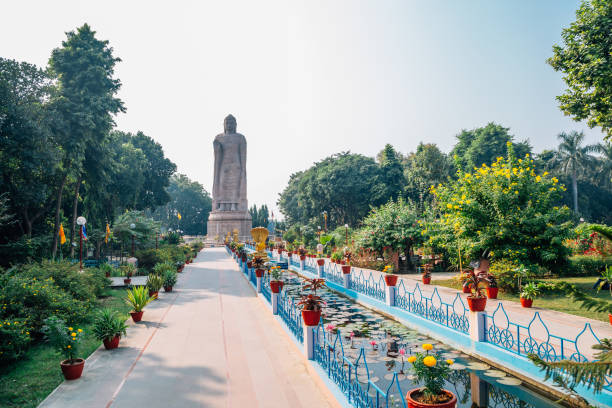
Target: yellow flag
<point>178,214</point>
<point>62,235</point>
<point>107,233</point>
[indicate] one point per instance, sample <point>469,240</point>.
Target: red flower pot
<point>181,268</point>
<point>426,281</point>
<point>137,316</point>
<point>276,286</point>
<point>107,274</point>
<point>111,343</point>
<point>412,403</point>
<point>526,302</point>
<point>259,273</point>
<point>492,293</point>
<point>167,288</point>
<point>391,280</point>
<point>311,317</point>
<point>249,264</point>
<point>154,295</point>
<point>477,304</point>
<point>467,289</point>
<point>342,262</point>
<point>610,317</point>
<point>72,370</point>
<point>302,257</point>
<point>320,262</point>
<point>127,281</point>
<point>244,258</point>
<point>346,269</point>
<point>280,251</point>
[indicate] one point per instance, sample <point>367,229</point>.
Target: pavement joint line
<point>125,377</point>
<point>227,374</point>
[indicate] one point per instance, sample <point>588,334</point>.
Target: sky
<point>307,79</point>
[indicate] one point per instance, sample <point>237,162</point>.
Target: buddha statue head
<point>229,125</point>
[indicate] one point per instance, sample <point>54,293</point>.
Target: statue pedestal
<point>222,222</point>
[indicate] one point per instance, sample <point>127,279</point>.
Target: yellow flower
<point>430,361</point>
<point>80,330</point>
<point>73,334</point>
<point>449,362</point>
<point>411,359</point>
<point>70,329</point>
<point>69,346</point>
<point>427,346</point>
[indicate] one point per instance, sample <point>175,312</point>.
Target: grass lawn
<point>27,382</point>
<point>556,301</point>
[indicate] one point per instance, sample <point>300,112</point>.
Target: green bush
<point>14,339</point>
<point>148,258</point>
<point>34,300</point>
<point>27,250</point>
<point>586,265</point>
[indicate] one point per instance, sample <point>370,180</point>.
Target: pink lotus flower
<point>373,343</point>
<point>352,334</point>
<point>402,352</point>
<point>330,327</point>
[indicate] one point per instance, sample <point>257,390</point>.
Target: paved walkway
<point>212,343</point>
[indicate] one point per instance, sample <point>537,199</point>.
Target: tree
<point>345,185</point>
<point>260,217</point>
<point>572,158</point>
<point>84,102</point>
<point>604,164</point>
<point>396,226</point>
<point>584,59</point>
<point>507,208</point>
<point>392,172</point>
<point>484,145</point>
<point>189,199</point>
<point>427,167</point>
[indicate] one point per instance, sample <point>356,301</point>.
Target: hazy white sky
<point>306,79</point>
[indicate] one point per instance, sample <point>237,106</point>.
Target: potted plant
<point>276,281</point>
<point>310,303</point>
<point>169,280</point>
<point>390,278</point>
<point>492,288</point>
<point>477,301</point>
<point>107,269</point>
<point>66,340</point>
<point>108,327</point>
<point>259,265</point>
<point>426,275</point>
<point>138,298</point>
<point>302,252</point>
<point>127,271</point>
<point>321,261</point>
<point>431,370</point>
<point>154,284</point>
<point>529,292</point>
<point>180,266</point>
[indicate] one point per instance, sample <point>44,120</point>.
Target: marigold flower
<point>430,361</point>
<point>411,359</point>
<point>70,329</point>
<point>80,330</point>
<point>449,362</point>
<point>427,346</point>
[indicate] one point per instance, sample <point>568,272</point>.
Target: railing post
<point>275,298</point>
<point>347,279</point>
<point>390,295</point>
<point>302,264</point>
<point>251,272</point>
<point>258,284</point>
<point>321,269</point>
<point>309,339</point>
<point>477,326</point>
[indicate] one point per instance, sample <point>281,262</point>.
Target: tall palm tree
<point>572,158</point>
<point>605,163</point>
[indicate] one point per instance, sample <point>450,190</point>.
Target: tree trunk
<point>74,214</point>
<point>58,207</point>
<point>575,191</point>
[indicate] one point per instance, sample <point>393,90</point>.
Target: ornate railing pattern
<point>333,273</point>
<point>310,264</point>
<point>535,338</point>
<point>353,376</point>
<point>253,279</point>
<point>291,315</point>
<point>369,285</point>
<point>294,262</point>
<point>265,287</point>
<point>453,315</point>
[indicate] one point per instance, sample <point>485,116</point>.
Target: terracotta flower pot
<point>426,281</point>
<point>276,286</point>
<point>111,343</point>
<point>127,281</point>
<point>107,274</point>
<point>302,257</point>
<point>259,273</point>
<point>412,403</point>
<point>249,264</point>
<point>167,288</point>
<point>477,304</point>
<point>280,251</point>
<point>320,262</point>
<point>153,294</point>
<point>492,293</point>
<point>311,317</point>
<point>391,280</point>
<point>181,268</point>
<point>73,370</point>
<point>346,269</point>
<point>610,317</point>
<point>526,302</point>
<point>137,316</point>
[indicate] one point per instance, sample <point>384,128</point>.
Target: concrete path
<point>211,343</point>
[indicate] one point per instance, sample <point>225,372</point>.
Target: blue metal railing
<point>291,315</point>
<point>369,286</point>
<point>265,287</point>
<point>310,264</point>
<point>333,273</point>
<point>294,262</point>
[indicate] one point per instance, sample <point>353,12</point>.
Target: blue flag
<point>84,232</point>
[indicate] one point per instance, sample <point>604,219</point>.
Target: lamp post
<point>325,218</point>
<point>319,233</point>
<point>346,233</point>
<point>81,221</point>
<point>132,226</point>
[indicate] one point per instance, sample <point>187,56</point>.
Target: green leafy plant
<point>476,283</point>
<point>154,282</point>
<point>431,370</point>
<point>65,339</point>
<point>276,273</point>
<point>606,277</point>
<point>310,301</point>
<point>138,298</point>
<point>170,278</point>
<point>530,291</point>
<point>127,270</point>
<point>108,324</point>
<point>161,268</point>
<point>14,339</point>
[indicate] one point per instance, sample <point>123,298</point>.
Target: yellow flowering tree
<point>506,207</point>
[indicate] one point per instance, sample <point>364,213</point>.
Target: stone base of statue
<point>220,223</point>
